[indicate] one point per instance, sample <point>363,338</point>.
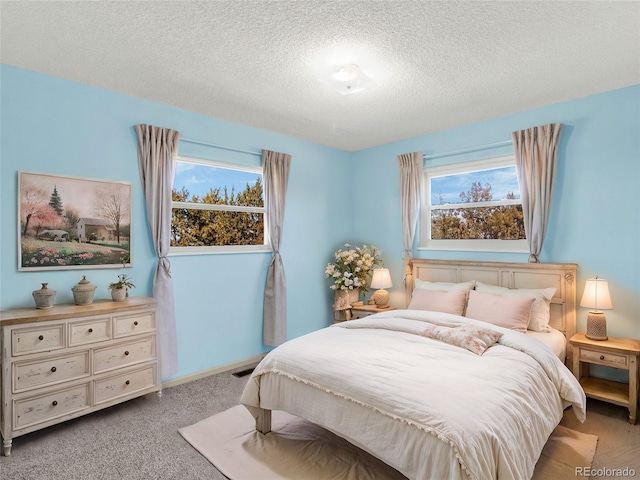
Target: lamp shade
<point>381,278</point>
<point>596,294</point>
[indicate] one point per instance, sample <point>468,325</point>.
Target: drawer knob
<point>90,330</point>
<point>54,403</point>
<point>601,357</point>
<point>136,322</point>
<point>126,352</point>
<point>127,382</point>
<point>53,369</point>
<point>41,337</point>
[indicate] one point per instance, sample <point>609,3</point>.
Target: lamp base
<point>381,298</point>
<point>596,326</point>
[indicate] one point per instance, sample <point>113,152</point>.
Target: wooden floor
<point>618,440</point>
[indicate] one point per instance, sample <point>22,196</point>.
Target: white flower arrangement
<point>352,266</point>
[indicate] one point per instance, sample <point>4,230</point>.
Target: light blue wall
<point>56,126</point>
<point>595,218</point>
<point>50,125</point>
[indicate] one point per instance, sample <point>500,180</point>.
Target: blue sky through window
<point>502,181</point>
<point>198,179</point>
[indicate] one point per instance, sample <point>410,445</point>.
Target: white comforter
<point>427,408</point>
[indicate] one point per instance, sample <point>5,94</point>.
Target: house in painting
<point>95,229</point>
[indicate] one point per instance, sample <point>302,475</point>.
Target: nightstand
<point>366,310</point>
<point>622,353</point>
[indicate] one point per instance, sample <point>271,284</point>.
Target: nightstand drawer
<point>602,358</point>
<point>360,314</point>
<point>367,310</point>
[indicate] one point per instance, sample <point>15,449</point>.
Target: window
<point>473,206</point>
<point>216,207</point>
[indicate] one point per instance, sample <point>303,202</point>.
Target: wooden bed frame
<point>510,275</point>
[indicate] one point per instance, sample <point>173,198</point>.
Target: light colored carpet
<point>299,449</point>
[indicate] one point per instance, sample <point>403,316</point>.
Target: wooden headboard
<point>511,275</point>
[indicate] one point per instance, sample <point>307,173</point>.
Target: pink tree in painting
<point>35,210</point>
<point>45,217</point>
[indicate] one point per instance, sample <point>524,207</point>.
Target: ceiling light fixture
<point>349,79</point>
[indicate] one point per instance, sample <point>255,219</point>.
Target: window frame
<point>221,249</point>
<point>493,245</point>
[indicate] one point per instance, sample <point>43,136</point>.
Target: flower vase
<point>345,298</point>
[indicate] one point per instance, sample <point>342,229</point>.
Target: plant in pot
<point>119,289</point>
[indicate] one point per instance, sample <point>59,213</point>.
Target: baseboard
<point>212,371</point>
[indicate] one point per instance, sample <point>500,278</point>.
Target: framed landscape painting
<point>72,223</point>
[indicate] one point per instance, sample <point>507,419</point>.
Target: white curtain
<point>157,154</point>
<point>276,175</point>
<point>536,150</point>
<point>410,197</point>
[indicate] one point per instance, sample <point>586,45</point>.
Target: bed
<point>396,385</point>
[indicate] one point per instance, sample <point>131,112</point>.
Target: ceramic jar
<point>83,292</point>
<point>44,297</point>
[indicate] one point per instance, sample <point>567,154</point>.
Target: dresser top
<point>63,311</point>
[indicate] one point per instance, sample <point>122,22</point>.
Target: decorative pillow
<point>540,310</point>
<point>473,338</point>
<point>439,301</point>
<point>443,286</point>
<point>501,310</point>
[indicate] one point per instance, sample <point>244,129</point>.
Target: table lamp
<point>381,279</point>
<point>596,296</point>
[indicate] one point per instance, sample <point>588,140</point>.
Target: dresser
<point>68,360</point>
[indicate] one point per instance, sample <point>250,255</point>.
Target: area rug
<point>297,449</point>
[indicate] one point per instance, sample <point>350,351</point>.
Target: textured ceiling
<point>437,64</point>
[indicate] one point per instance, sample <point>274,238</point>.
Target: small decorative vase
<point>119,294</point>
<point>44,297</point>
<point>346,297</point>
<point>83,292</point>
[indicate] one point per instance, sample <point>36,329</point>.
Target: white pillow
<point>540,310</point>
<point>439,301</point>
<point>501,310</point>
<point>444,286</point>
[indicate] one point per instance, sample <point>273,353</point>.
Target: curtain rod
<point>222,147</point>
<point>467,150</point>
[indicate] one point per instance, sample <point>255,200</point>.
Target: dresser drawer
<point>37,339</point>
<point>89,331</point>
<point>610,359</point>
<point>143,322</point>
<point>125,384</point>
<point>123,354</point>
<point>42,408</point>
<point>39,373</point>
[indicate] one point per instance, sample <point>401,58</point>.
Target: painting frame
<point>71,223</point>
